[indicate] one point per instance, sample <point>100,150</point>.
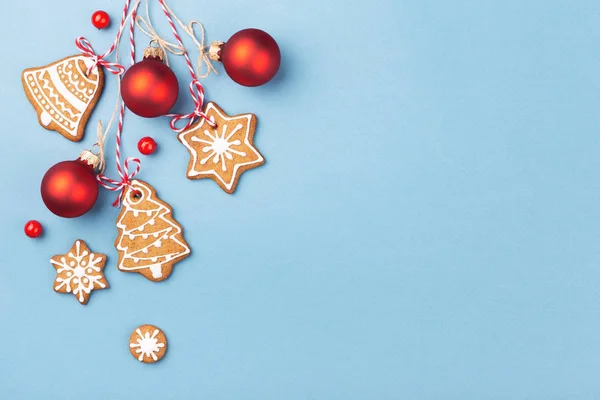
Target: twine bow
<point>124,173</point>
<point>198,98</point>
<point>97,60</point>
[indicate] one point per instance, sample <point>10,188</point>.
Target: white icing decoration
<point>156,271</point>
<point>159,216</point>
<point>45,118</point>
<point>218,146</point>
<point>147,345</point>
<point>91,276</point>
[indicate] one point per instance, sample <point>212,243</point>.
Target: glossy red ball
<point>149,88</point>
<point>33,229</point>
<point>251,57</point>
<point>100,19</point>
<point>69,188</point>
<point>147,145</point>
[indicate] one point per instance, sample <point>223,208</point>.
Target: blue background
<point>425,227</point>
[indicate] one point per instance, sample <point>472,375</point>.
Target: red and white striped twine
<point>100,60</point>
<point>124,173</point>
<point>196,89</point>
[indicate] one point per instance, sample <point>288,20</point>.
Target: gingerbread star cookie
<point>79,271</point>
<point>148,344</point>
<point>224,152</point>
<point>63,94</point>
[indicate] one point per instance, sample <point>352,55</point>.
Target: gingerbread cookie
<point>64,95</point>
<point>150,241</point>
<point>79,271</point>
<point>148,344</point>
<point>222,153</point>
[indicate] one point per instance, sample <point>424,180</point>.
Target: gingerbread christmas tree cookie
<point>64,94</point>
<point>150,241</point>
<point>79,271</point>
<point>224,152</point>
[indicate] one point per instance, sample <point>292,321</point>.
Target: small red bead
<point>100,19</point>
<point>147,145</point>
<point>33,229</point>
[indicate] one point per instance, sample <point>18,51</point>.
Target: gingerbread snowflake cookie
<point>224,152</point>
<point>148,344</point>
<point>64,94</point>
<point>79,271</point>
<point>150,240</point>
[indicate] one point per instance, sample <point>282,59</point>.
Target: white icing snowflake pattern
<point>147,345</point>
<point>79,272</point>
<point>219,146</point>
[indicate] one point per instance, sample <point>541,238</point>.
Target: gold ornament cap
<point>92,159</point>
<point>154,52</point>
<point>214,51</point>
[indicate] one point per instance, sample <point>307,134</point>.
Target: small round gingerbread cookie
<point>148,344</point>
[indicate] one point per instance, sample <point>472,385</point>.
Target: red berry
<point>147,145</point>
<point>33,229</point>
<point>100,19</point>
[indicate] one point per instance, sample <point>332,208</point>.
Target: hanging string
<point>123,171</point>
<point>100,60</point>
<point>203,60</point>
<point>195,88</point>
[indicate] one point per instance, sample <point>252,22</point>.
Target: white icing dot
<point>131,236</point>
<point>154,259</point>
<point>155,234</point>
<point>31,79</point>
<point>83,263</point>
<point>89,271</point>
<point>158,244</point>
<point>148,213</point>
<point>85,280</point>
<point>145,251</point>
<point>69,273</point>
<point>72,263</point>
<point>36,91</point>
<point>136,213</point>
<point>47,107</point>
<point>75,281</point>
<point>145,236</point>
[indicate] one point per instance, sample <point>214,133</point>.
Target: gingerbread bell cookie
<point>79,271</point>
<point>224,152</point>
<point>150,241</point>
<point>64,94</point>
<point>148,344</point>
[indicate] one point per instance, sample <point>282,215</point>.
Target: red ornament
<point>251,57</point>
<point>33,229</point>
<point>150,87</point>
<point>147,145</point>
<point>69,188</point>
<point>100,19</point>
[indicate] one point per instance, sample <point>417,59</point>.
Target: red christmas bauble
<point>147,145</point>
<point>149,88</point>
<point>69,188</point>
<point>33,229</point>
<point>251,57</point>
<point>100,19</point>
